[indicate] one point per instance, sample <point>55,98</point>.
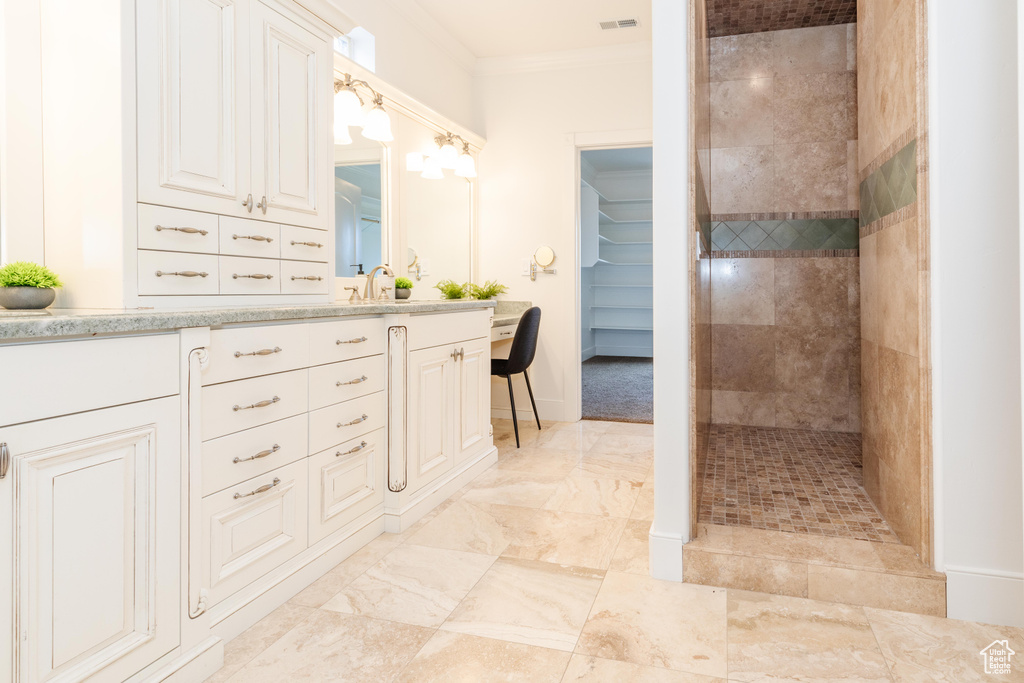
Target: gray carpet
<point>618,389</point>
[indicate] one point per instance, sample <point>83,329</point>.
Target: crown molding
<point>628,53</point>
<point>433,31</point>
<point>328,12</point>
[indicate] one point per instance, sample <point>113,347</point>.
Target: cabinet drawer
<point>338,423</point>
<point>253,527</point>
<point>85,375</point>
<point>339,382</point>
<point>346,339</point>
<point>241,237</point>
<point>234,406</point>
<point>240,275</point>
<point>302,277</point>
<point>234,458</point>
<point>240,352</point>
<point>444,328</point>
<point>169,229</point>
<point>170,273</point>
<point>345,482</point>
<point>304,244</point>
<point>505,332</point>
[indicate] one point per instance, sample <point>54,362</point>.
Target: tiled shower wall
<point>894,265</point>
<point>700,274</point>
<point>785,277</point>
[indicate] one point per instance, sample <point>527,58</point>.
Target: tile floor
<point>537,571</point>
<point>796,480</point>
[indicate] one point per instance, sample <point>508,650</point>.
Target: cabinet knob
<point>262,206</point>
<point>5,459</point>
<point>248,203</point>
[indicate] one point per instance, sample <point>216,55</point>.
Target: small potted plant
<point>490,290</point>
<point>451,289</point>
<point>25,285</point>
<point>403,288</point>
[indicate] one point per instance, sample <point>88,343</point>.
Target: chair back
<point>524,344</point>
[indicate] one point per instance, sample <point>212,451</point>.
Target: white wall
<point>528,197</point>
<point>973,103</point>
<point>436,71</point>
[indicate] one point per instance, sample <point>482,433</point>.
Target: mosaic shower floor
<point>789,480</point>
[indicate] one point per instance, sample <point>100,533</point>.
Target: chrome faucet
<point>370,292</point>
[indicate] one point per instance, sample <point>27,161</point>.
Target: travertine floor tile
<point>628,444</point>
<point>413,584</point>
<point>774,637</point>
<point>620,466</point>
<point>632,554</point>
<point>644,621</point>
<point>568,437</point>
<point>337,647</point>
<point>528,602</point>
<point>328,585</point>
<point>921,649</point>
<point>458,658</point>
<point>546,461</point>
<point>508,487</point>
<point>474,527</point>
<point>567,538</point>
<point>629,429</point>
<point>594,496</point>
<point>644,507</point>
<point>597,670</point>
<point>260,636</point>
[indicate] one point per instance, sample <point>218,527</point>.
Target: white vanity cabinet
<point>89,510</point>
<point>234,102</point>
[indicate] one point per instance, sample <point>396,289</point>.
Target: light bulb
<point>432,169</point>
<point>378,125</point>
<point>465,167</point>
<point>449,156</point>
<point>348,108</point>
<point>414,162</point>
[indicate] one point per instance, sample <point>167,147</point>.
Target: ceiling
<point>731,17</point>
<point>617,160</point>
<point>499,28</point>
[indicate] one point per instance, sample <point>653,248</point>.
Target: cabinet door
<point>291,133</point>
<point>193,108</point>
<point>431,414</point>
<point>473,417</point>
<point>93,547</point>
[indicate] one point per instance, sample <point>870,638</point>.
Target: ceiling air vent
<point>619,23</point>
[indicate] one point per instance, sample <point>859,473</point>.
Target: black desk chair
<point>520,357</point>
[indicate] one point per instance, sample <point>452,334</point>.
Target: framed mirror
<point>362,225</point>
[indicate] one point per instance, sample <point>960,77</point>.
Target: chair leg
<point>512,400</point>
<point>532,402</point>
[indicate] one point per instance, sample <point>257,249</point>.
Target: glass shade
<point>348,108</point>
<point>432,169</point>
<point>449,156</point>
<point>465,167</point>
<point>378,125</point>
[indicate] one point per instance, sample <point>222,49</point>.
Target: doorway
<point>616,284</point>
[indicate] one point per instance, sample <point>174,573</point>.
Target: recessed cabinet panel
<point>345,482</point>
<point>291,87</point>
<point>431,401</point>
<point>193,89</point>
<point>95,541</point>
<point>474,414</point>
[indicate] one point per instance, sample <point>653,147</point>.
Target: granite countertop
<point>509,312</point>
<point>73,322</point>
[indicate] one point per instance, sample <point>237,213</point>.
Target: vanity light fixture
<point>446,156</point>
<point>348,111</point>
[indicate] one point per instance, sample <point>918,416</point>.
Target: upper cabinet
<point>234,105</point>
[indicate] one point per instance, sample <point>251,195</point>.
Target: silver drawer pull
<point>360,380</point>
<point>311,278</point>
<point>187,231</point>
<point>262,489</point>
<point>350,451</point>
<point>261,454</point>
<point>254,276</point>
<point>306,244</point>
<point>356,421</point>
<point>254,238</point>
<point>357,340</point>
<point>261,404</point>
<point>5,459</point>
<point>182,273</point>
<point>261,352</point>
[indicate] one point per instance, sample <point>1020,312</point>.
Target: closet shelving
<point>617,281</point>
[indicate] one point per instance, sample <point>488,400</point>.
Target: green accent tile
<point>816,233</point>
<point>769,245</point>
<point>835,242</point>
<point>753,235</point>
<point>737,245</point>
<point>908,197</point>
<point>898,177</point>
<point>801,244</point>
<point>721,235</point>
<point>785,234</point>
<point>849,234</point>
<point>769,226</point>
<point>884,201</point>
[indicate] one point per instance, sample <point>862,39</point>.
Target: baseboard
<point>550,411</point>
<point>665,552</point>
<point>197,664</point>
<point>628,351</point>
<point>589,353</point>
<point>991,597</point>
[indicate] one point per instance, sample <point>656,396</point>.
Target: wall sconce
<point>348,111</point>
<point>446,156</point>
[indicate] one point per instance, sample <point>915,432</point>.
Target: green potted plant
<point>25,285</point>
<point>451,289</point>
<point>403,288</point>
<point>489,290</point>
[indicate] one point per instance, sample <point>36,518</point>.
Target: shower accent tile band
<point>793,234</point>
<point>893,186</point>
<point>807,253</point>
